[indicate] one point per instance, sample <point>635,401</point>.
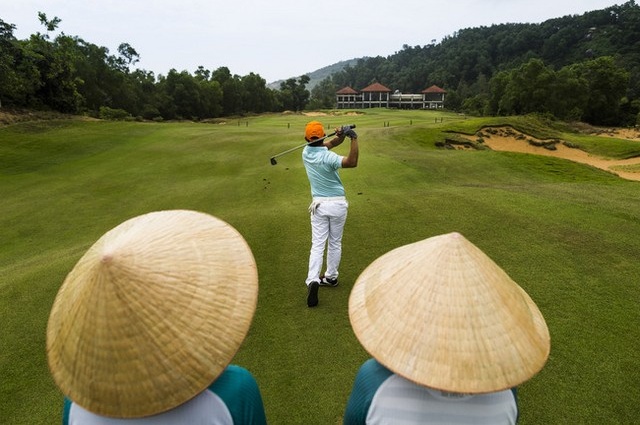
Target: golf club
<point>273,158</point>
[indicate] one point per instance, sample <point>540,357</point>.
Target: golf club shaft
<point>273,158</point>
<point>296,148</point>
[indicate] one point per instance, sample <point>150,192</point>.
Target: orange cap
<point>313,130</point>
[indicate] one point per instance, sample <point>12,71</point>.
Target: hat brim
<point>152,313</point>
<point>442,314</point>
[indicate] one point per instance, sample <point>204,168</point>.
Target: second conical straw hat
<point>152,313</point>
<point>441,313</point>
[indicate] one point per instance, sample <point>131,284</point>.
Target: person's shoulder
<point>235,371</point>
<point>239,391</point>
<point>374,371</point>
<point>234,380</point>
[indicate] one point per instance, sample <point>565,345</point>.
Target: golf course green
<point>568,233</point>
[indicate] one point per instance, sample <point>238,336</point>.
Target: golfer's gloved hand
<point>350,133</point>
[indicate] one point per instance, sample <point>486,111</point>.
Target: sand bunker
<point>324,114</point>
<point>509,139</point>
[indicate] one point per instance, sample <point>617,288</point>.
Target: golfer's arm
<point>336,141</point>
<point>351,160</point>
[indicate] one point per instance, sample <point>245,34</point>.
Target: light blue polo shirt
<point>322,170</point>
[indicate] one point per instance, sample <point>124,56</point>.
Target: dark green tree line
<point>67,74</point>
<point>574,67</point>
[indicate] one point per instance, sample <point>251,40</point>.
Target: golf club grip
<point>335,132</point>
<point>349,125</point>
<point>273,158</point>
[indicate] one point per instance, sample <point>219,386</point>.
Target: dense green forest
<point>70,75</point>
<point>575,68</point>
<point>584,67</point>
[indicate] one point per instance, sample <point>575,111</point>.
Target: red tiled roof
<point>376,87</point>
<point>434,89</point>
<point>346,90</point>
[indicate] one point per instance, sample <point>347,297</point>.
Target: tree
<point>293,93</point>
<point>202,74</point>
<point>92,73</point>
<point>50,25</point>
<point>606,87</point>
<point>257,97</point>
<point>9,79</point>
<point>211,96</point>
<point>529,88</point>
<point>323,95</point>
<point>146,93</point>
<point>185,93</point>
<point>568,95</point>
<point>128,56</point>
<point>54,62</point>
<point>498,85</point>
<point>231,89</point>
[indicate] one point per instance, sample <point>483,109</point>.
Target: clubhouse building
<point>378,96</point>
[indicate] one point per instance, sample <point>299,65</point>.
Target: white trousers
<point>328,216</point>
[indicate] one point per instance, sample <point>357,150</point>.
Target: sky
<point>277,39</point>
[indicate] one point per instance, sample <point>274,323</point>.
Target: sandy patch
<point>322,114</point>
<point>619,133</point>
<point>508,139</point>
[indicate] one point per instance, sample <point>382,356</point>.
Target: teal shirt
<point>322,167</point>
<point>239,391</point>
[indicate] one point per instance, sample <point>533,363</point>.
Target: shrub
<point>107,113</point>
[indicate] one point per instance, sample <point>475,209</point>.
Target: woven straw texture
<point>152,313</point>
<point>441,313</point>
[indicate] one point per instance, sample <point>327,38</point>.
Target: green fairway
<point>567,233</point>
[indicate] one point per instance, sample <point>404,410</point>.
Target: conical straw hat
<point>152,313</point>
<point>442,314</point>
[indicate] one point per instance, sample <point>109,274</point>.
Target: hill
<point>465,62</point>
<point>472,54</point>
<point>322,73</point>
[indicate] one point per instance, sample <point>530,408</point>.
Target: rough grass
<point>567,233</point>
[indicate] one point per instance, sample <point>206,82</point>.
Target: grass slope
<point>567,233</point>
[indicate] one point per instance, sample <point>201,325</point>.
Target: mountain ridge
<point>320,74</point>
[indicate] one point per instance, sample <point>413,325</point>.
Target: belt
<point>328,199</point>
<point>318,199</point>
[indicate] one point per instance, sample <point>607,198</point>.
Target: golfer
<point>451,336</point>
<point>328,209</point>
<point>144,327</point>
